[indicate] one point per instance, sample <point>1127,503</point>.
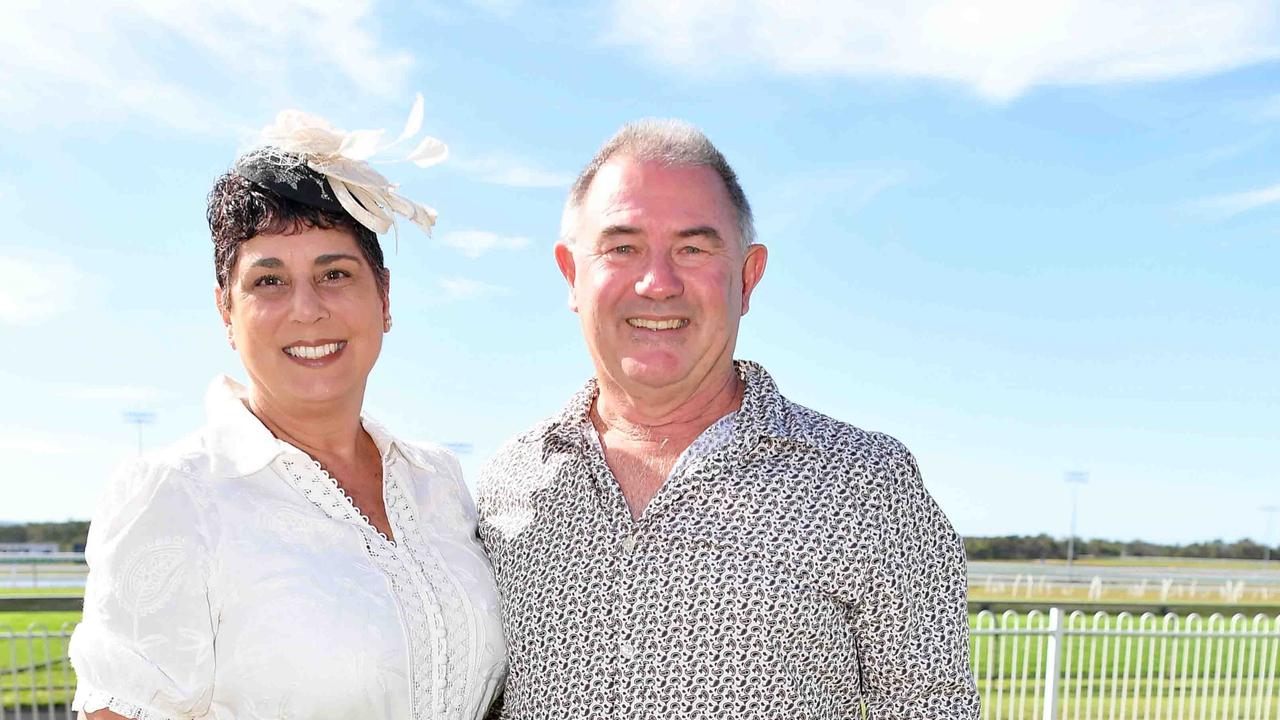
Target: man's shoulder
<point>528,442</point>
<point>516,462</point>
<point>847,456</point>
<point>827,434</point>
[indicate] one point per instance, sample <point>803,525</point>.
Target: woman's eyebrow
<point>330,258</point>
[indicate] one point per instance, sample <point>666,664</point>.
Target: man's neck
<point>672,419</point>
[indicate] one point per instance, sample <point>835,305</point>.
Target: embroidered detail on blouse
<point>154,574</point>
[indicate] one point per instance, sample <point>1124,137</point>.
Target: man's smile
<point>656,324</point>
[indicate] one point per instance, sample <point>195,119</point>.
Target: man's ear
<point>752,271</point>
<point>568,268</point>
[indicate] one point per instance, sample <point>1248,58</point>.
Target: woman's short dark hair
<point>240,209</point>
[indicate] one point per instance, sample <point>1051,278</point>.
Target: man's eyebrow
<point>705,231</point>
<point>613,230</point>
<point>334,257</point>
<point>268,262</point>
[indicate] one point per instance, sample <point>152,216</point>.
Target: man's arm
<point>911,619</point>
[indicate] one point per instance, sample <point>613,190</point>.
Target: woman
<point>292,558</point>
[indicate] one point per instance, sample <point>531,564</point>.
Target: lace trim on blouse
<point>94,700</point>
<point>435,610</point>
<point>454,651</point>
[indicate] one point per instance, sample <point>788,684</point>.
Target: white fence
<point>1032,666</point>
<point>1053,666</point>
<point>36,680</point>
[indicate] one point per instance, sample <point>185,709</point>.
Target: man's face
<point>658,275</point>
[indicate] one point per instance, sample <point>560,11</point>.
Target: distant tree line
<point>69,535</point>
<point>1043,547</point>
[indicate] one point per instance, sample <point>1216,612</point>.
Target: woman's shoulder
<point>182,462</point>
<point>161,497</point>
<point>423,454</point>
<point>187,461</point>
<point>431,456</point>
<point>435,477</point>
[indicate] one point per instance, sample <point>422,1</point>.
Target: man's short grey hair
<point>673,143</point>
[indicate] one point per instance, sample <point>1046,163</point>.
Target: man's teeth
<point>657,324</point>
<point>316,352</point>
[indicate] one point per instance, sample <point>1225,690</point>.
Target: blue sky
<point>1024,238</point>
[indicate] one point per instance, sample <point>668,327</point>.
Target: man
<point>681,541</point>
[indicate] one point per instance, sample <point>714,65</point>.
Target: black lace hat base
<point>288,175</point>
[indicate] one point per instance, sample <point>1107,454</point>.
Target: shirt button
<point>629,544</point>
<point>627,649</point>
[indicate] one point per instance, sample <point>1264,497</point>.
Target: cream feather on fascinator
<point>304,158</point>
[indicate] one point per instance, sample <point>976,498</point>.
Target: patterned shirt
<point>800,570</point>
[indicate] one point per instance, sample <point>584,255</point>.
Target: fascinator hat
<point>302,157</point>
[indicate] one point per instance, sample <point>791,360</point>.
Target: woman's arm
<point>144,646</point>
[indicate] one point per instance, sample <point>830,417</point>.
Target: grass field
<point>1182,677</point>
<point>28,592</point>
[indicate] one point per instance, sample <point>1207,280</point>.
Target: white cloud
<point>459,288</point>
<point>1236,203</point>
<point>1000,48</point>
<point>83,63</point>
<point>36,291</point>
<point>502,169</point>
<point>474,243</point>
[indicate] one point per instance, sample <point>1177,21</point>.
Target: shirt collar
<point>765,414</point>
<point>239,444</point>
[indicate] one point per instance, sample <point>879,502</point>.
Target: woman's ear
<point>221,300</point>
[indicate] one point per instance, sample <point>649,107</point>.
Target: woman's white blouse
<point>230,577</point>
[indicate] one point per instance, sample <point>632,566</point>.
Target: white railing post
<point>1052,670</point>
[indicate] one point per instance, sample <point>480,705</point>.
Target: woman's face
<point>306,316</point>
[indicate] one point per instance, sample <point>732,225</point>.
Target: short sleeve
<point>144,648</point>
<point>913,631</point>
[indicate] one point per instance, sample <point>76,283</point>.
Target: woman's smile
<point>316,354</point>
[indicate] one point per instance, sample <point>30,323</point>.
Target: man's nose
<point>661,279</point>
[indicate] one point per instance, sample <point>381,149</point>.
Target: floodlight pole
<point>1075,479</point>
<point>1268,538</point>
<point>139,418</point>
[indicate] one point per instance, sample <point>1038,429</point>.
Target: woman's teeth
<point>314,352</point>
<point>657,324</point>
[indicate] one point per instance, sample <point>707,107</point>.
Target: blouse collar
<point>239,444</point>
